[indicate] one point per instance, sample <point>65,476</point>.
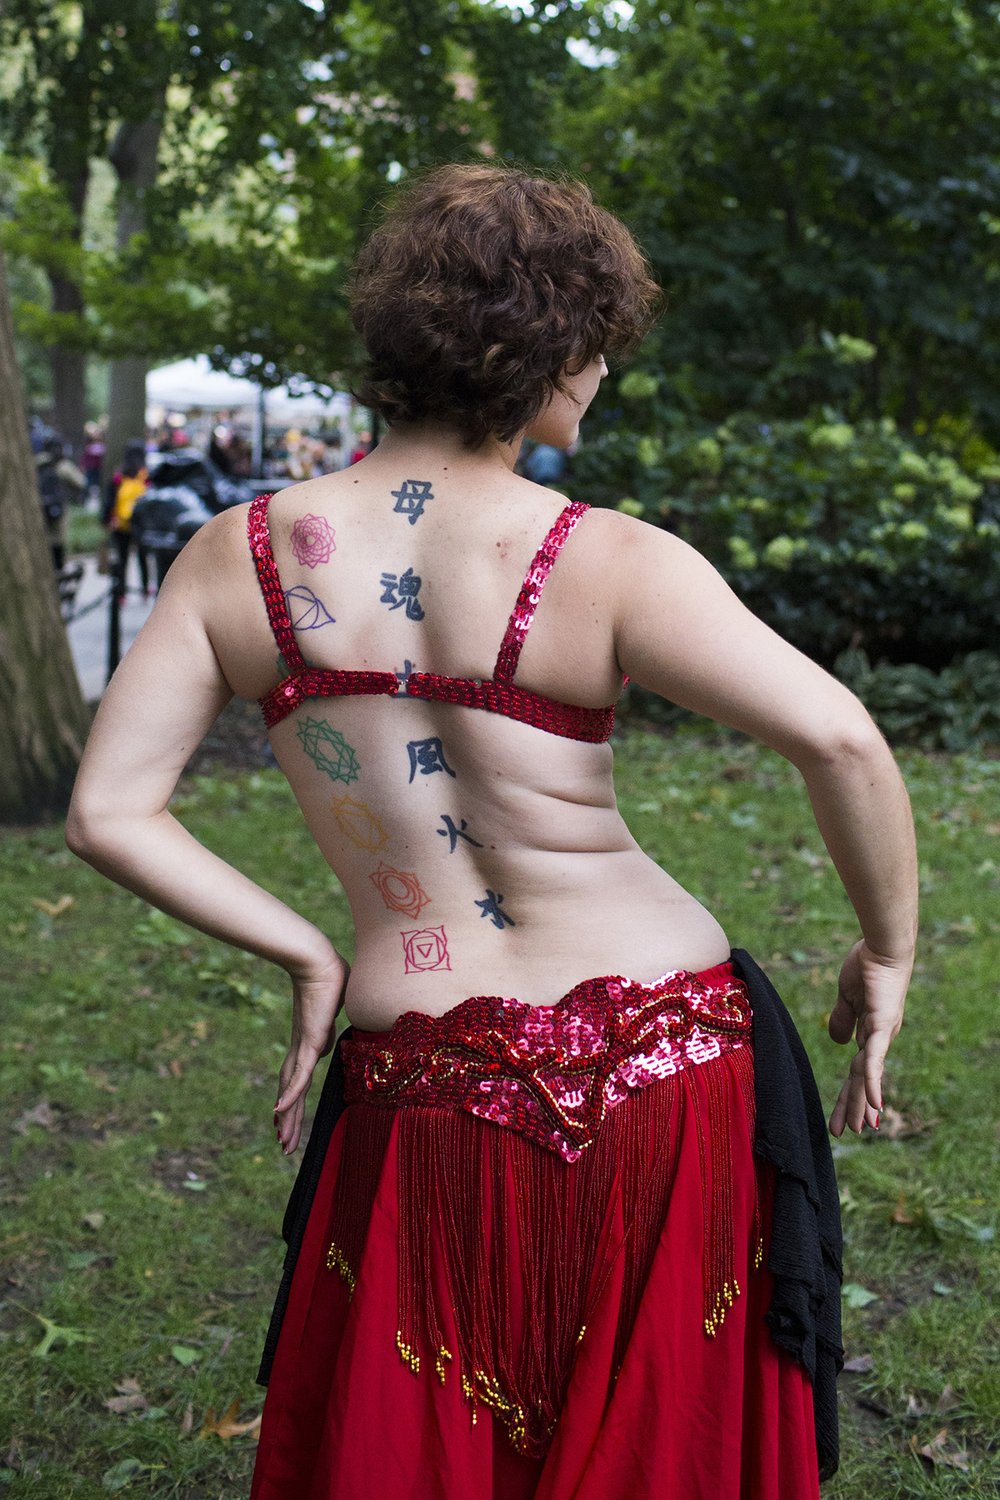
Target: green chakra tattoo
<point>327,749</point>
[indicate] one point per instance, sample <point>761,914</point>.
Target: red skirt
<point>533,1265</point>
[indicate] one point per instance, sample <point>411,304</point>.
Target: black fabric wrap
<point>805,1256</point>
<point>805,1251</point>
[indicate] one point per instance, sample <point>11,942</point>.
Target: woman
<point>533,1255</point>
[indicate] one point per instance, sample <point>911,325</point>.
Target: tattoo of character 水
<point>492,907</point>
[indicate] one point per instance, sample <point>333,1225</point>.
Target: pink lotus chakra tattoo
<point>425,949</point>
<point>313,541</point>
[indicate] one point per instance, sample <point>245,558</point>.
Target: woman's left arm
<point>162,700</point>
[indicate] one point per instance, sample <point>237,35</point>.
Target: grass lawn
<point>142,1190</point>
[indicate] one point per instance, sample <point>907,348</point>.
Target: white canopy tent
<point>192,385</point>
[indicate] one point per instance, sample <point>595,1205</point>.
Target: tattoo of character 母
<point>411,499</point>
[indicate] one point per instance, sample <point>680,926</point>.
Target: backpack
<point>130,488</point>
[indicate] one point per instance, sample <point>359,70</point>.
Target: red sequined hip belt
<point>551,1072</point>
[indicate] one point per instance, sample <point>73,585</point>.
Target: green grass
<point>141,1206</point>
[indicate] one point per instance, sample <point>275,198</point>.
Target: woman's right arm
<point>682,632</point>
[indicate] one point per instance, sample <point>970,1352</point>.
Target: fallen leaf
<point>187,1421</point>
<point>94,1220</point>
<point>941,1290</point>
<point>184,1355</point>
<point>863,1364</point>
<point>200,1030</point>
<point>858,1296</point>
<point>227,1426</point>
<point>42,1114</point>
<point>53,908</point>
<point>121,1404</point>
<point>175,1068</point>
<point>915,1409</point>
<point>936,1452</point>
<point>947,1401</point>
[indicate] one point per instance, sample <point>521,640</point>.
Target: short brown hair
<point>481,286</point>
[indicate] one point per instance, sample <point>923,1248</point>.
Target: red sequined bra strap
<point>527,600</point>
<point>259,537</point>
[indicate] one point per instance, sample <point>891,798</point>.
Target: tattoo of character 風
<point>427,756</point>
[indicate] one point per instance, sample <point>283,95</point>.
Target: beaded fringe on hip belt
<point>584,1103</point>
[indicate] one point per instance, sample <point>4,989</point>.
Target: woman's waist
<point>551,1071</point>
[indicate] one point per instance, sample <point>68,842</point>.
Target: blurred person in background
<point>125,487</point>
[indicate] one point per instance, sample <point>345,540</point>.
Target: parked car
<point>185,490</point>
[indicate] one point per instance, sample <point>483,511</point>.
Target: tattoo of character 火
<point>453,834</point>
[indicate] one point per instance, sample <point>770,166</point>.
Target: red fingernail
<point>876,1122</point>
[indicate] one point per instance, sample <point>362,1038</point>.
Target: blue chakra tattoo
<point>453,834</point>
<point>305,610</point>
<point>401,590</point>
<point>427,756</point>
<point>491,908</point>
<point>411,499</point>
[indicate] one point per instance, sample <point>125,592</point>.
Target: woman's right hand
<point>317,995</point>
<point>870,999</point>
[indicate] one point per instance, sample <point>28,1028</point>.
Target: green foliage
<point>799,167</point>
<point>839,534</point>
<point>957,708</point>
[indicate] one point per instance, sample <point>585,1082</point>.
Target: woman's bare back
<point>479,854</point>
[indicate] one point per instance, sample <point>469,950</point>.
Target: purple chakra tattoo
<point>491,908</point>
<point>453,834</point>
<point>424,949</point>
<point>427,756</point>
<point>312,540</point>
<point>327,749</point>
<point>305,611</point>
<point>402,590</point>
<point>411,499</point>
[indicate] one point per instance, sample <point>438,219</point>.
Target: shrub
<point>841,535</point>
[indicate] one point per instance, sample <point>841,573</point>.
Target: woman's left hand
<point>317,996</point>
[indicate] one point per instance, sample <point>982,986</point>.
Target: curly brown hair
<point>482,286</point>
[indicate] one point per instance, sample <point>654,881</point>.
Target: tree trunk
<point>133,155</point>
<point>43,719</point>
<point>68,367</point>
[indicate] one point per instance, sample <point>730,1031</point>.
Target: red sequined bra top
<point>496,694</point>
